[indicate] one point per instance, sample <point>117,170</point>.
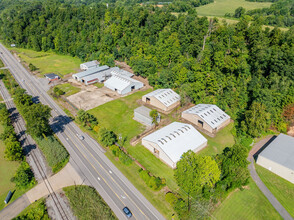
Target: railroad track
<point>19,126</point>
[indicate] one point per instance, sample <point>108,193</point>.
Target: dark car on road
<point>127,212</point>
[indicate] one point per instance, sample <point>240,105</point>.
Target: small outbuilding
<point>52,77</point>
<point>142,115</point>
<point>170,142</point>
<point>88,65</point>
<point>278,157</point>
<point>79,76</point>
<point>206,116</point>
<point>122,84</point>
<point>163,99</point>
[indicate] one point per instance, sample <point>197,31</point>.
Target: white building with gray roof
<point>163,99</point>
<point>79,76</point>
<point>278,157</point>
<point>206,116</point>
<point>171,141</point>
<point>122,84</point>
<point>142,115</point>
<point>88,65</point>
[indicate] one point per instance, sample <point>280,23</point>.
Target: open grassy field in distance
<point>7,171</point>
<point>49,62</point>
<point>68,89</point>
<point>87,204</point>
<point>282,189</point>
<point>221,7</point>
<point>248,204</point>
<point>223,139</point>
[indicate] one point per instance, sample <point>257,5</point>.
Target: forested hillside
<point>245,70</point>
<point>281,13</point>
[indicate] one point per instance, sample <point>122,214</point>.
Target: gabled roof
<point>281,151</point>
<point>91,71</point>
<point>176,139</point>
<point>120,82</point>
<point>166,96</point>
<point>90,63</point>
<point>211,114</point>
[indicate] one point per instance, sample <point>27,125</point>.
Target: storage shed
<point>164,99</point>
<point>142,115</point>
<point>209,117</point>
<point>170,142</point>
<point>52,77</point>
<point>278,157</point>
<point>122,85</point>
<point>80,75</point>
<point>88,65</point>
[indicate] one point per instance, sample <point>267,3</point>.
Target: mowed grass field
<point>282,189</point>
<point>221,7</point>
<point>68,89</point>
<point>49,62</point>
<point>248,204</point>
<point>7,171</point>
<point>223,139</point>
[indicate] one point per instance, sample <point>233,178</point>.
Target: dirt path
<point>271,198</point>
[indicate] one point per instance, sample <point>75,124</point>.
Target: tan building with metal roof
<point>163,99</point>
<point>206,116</point>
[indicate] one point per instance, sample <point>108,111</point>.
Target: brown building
<point>163,99</point>
<point>206,116</point>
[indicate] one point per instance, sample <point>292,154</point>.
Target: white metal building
<point>80,75</point>
<point>207,116</point>
<point>164,99</point>
<point>142,115</point>
<point>96,77</point>
<point>122,85</point>
<point>88,65</point>
<point>170,142</point>
<point>278,157</point>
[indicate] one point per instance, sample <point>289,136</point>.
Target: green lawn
<point>68,89</point>
<point>221,7</point>
<point>282,189</point>
<point>87,204</point>
<point>117,115</point>
<point>223,139</point>
<point>98,85</point>
<point>49,62</point>
<point>247,204</point>
<point>7,171</point>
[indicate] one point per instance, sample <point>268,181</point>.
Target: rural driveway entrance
<point>272,199</point>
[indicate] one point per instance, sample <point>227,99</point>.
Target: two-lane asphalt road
<point>87,156</point>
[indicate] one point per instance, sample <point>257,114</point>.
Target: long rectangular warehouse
<point>80,75</point>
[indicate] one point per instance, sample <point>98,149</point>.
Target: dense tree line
<point>232,66</point>
<point>280,13</point>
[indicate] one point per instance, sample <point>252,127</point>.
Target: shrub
<point>107,137</point>
<point>171,198</point>
<point>36,211</point>
<point>155,183</point>
<point>13,150</point>
<point>32,67</point>
<point>58,92</point>
<point>124,158</point>
<point>115,150</point>
<point>24,176</point>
